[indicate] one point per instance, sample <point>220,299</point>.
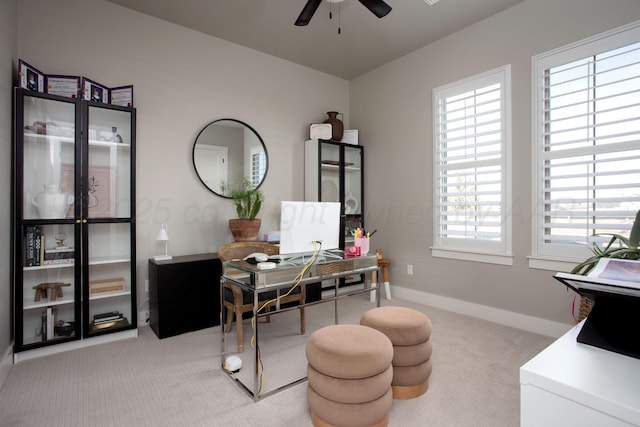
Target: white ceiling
<point>365,42</point>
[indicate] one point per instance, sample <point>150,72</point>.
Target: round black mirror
<point>228,152</point>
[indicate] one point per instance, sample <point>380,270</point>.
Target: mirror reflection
<point>228,151</point>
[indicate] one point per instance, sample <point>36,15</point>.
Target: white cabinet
<point>574,384</point>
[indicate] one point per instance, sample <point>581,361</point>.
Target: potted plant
<point>618,247</point>
<point>247,201</point>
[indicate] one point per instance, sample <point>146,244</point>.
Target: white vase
<point>51,202</point>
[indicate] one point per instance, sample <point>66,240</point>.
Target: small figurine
<point>61,240</point>
<point>55,287</point>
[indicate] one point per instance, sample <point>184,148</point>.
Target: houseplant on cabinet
<point>618,247</point>
<point>247,201</point>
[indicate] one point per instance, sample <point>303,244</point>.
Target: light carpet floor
<point>178,381</point>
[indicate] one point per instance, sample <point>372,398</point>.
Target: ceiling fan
<point>377,7</point>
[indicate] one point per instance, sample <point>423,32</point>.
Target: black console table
<point>184,294</point>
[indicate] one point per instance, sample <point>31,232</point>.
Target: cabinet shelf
<point>108,144</point>
<point>45,139</point>
<point>49,266</point>
<point>110,295</point>
<point>337,168</point>
<point>46,303</point>
<point>37,340</point>
<point>109,260</point>
<point>97,261</point>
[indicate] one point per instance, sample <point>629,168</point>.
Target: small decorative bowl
<point>64,329</point>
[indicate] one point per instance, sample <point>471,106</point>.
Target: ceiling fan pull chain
<point>339,30</point>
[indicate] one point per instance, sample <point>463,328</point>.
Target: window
<point>586,144</point>
<point>471,168</point>
<point>258,165</point>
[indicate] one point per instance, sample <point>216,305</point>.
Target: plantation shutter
<point>469,164</point>
<point>591,146</point>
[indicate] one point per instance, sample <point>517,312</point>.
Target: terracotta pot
<point>244,230</point>
<point>337,127</point>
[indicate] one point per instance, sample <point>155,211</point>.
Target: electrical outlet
<point>146,285</point>
<point>410,269</point>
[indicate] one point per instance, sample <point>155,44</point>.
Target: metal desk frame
<point>252,272</point>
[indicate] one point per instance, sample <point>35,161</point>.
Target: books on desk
<point>610,275</point>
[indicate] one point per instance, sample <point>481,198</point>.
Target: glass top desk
<point>280,280</point>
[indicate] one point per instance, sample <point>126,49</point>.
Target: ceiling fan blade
<point>307,12</point>
<point>377,7</point>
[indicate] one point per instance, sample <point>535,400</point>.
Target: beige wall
<point>392,108</point>
<point>7,65</point>
<point>182,81</point>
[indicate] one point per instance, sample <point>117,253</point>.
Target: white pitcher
<point>52,203</point>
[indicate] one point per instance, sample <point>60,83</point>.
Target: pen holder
<point>363,244</point>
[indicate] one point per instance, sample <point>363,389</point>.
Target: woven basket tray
<point>334,267</point>
<point>585,308</point>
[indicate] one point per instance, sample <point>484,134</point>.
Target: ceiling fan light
<point>431,2</point>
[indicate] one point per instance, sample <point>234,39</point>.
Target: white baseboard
<point>72,345</point>
<point>142,318</point>
<point>6,363</point>
<point>509,318</point>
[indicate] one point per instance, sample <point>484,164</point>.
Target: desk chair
<point>238,301</point>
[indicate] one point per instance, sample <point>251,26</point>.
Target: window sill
<point>542,263</point>
<point>501,259</point>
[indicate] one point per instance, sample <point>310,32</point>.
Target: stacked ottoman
<point>409,332</point>
<point>349,372</point>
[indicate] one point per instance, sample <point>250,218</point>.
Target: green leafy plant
<point>247,199</point>
<point>618,247</point>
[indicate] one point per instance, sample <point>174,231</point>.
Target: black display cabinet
<point>73,215</point>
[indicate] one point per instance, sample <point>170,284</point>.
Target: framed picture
<point>30,77</point>
<point>122,96</point>
<point>68,86</point>
<point>101,191</point>
<point>93,91</point>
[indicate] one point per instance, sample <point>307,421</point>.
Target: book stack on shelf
<point>48,323</point>
<point>34,246</point>
<point>112,319</point>
<point>59,255</point>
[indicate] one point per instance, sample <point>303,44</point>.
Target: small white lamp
<point>163,237</point>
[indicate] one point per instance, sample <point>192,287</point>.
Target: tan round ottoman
<point>349,372</point>
<point>409,332</point>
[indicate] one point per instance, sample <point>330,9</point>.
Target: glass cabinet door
<point>48,158</point>
<point>341,181</point>
<point>110,277</point>
<point>330,173</point>
<point>49,285</point>
<point>46,256</point>
<point>108,178</point>
<point>352,181</point>
<point>108,235</point>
